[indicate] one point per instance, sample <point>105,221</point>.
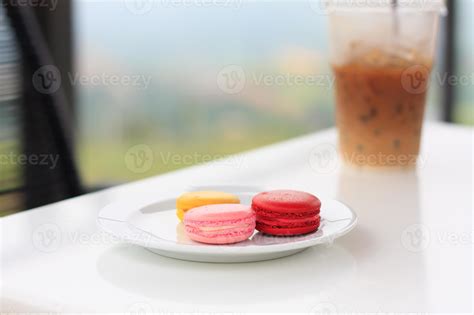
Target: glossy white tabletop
<point>411,250</point>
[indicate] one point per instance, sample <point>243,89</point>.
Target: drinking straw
<point>394,5</point>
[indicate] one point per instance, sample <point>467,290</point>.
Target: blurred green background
<point>182,50</point>
<point>162,85</point>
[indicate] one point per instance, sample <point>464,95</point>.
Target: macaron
<point>195,199</point>
<point>286,212</point>
<point>220,223</point>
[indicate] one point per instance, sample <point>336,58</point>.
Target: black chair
<point>37,160</point>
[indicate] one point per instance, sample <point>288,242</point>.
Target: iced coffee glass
<point>381,57</point>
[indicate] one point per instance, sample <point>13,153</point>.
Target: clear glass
<point>382,63</point>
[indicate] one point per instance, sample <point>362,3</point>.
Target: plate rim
<point>209,249</point>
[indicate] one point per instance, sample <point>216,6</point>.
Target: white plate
<point>153,224</point>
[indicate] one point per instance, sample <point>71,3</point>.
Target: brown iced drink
<point>380,105</point>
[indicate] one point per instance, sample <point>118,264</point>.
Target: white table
<point>411,251</point>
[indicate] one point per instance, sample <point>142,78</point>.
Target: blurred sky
<point>251,30</point>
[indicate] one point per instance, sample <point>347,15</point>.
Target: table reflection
<point>388,205</point>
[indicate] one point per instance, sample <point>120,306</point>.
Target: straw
<point>394,4</point>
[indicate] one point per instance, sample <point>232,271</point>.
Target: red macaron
<point>286,212</point>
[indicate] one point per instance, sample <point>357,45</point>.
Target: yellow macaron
<point>195,199</point>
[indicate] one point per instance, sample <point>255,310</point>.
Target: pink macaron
<point>220,223</point>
